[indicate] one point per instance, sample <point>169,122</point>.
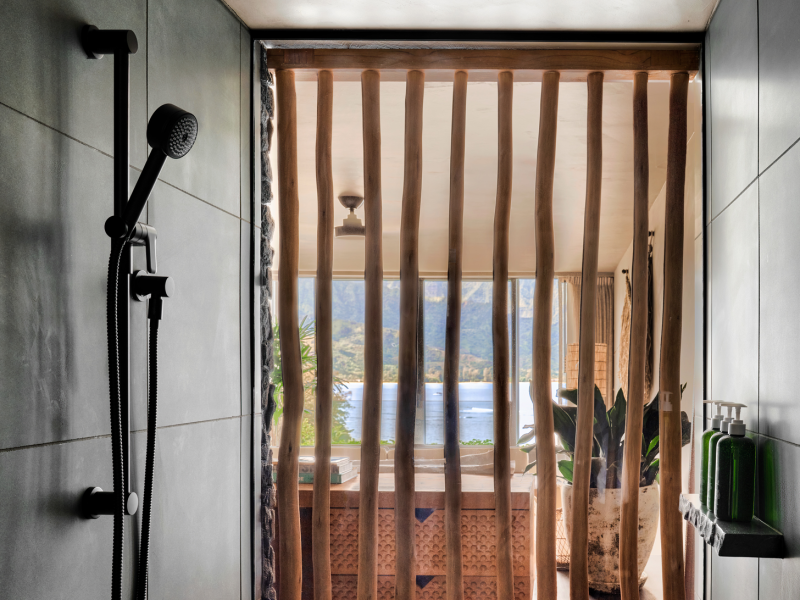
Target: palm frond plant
<point>608,439</point>
<point>308,360</point>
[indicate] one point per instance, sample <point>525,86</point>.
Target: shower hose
<point>117,247</point>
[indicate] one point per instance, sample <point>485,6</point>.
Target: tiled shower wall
<point>753,245</point>
<point>56,146</point>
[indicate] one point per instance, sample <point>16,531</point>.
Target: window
<point>475,362</point>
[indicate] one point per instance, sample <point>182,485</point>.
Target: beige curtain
<point>604,321</point>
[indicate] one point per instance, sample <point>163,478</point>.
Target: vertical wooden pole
<point>321,525</point>
<point>631,471</point>
<point>545,542</point>
<point>288,223</point>
<point>579,552</point>
<point>373,340</point>
<point>502,408</point>
<point>669,377</point>
<point>405,580</point>
<point>452,451</point>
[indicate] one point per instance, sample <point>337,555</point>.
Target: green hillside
<point>476,335</point>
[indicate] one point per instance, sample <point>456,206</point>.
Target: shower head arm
<point>143,188</point>
<point>123,227</point>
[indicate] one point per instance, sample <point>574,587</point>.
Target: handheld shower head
<point>171,132</point>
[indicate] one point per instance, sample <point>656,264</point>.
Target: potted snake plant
<point>605,495</point>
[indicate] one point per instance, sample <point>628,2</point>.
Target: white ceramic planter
<point>604,510</point>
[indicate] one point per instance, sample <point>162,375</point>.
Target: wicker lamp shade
<point>600,368</point>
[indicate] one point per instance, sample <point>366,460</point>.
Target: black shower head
<point>172,130</point>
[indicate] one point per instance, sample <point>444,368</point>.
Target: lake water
<point>475,411</point>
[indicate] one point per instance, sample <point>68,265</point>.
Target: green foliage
<point>477,443</point>
<point>475,361</point>
<point>339,432</point>
<point>608,439</point>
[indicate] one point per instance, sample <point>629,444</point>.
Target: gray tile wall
<point>753,123</point>
<point>55,193</point>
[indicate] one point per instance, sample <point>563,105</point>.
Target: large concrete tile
<point>734,305</point>
<point>707,109</point>
<point>733,54</point>
<point>195,547</point>
<point>779,76</point>
<point>194,62</point>
<point>198,247</point>
<point>699,326</point>
<point>56,195</point>
<point>734,577</point>
<point>250,502</point>
<point>779,353</point>
<point>49,550</point>
<point>250,309</point>
<point>46,74</point>
<point>247,123</point>
<point>779,505</point>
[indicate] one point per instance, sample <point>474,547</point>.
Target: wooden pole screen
<point>579,553</point>
<point>405,580</point>
<point>502,408</point>
<point>669,376</point>
<point>629,517</point>
<point>373,340</point>
<point>452,343</point>
<point>545,542</point>
<point>321,529</point>
<point>288,223</point>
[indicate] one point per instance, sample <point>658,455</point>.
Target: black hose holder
<point>96,502</point>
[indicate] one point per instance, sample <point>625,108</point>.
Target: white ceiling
<point>593,15</point>
<point>481,172</point>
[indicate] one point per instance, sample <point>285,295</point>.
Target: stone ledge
<point>728,538</point>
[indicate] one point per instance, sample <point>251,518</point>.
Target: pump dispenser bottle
<point>715,422</point>
<point>735,474</point>
<point>712,454</point>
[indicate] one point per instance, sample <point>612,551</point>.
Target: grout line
<point>739,195</point>
<point>190,423</point>
<point>782,154</point>
<point>108,435</point>
<point>50,127</point>
<point>57,443</point>
<point>134,167</point>
<point>172,185</point>
<point>775,439</point>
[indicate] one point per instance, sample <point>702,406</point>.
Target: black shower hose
<point>152,421</point>
<point>117,247</point>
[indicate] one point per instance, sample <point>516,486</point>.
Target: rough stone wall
<point>267,387</point>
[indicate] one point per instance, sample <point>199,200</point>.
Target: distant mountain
<point>476,334</point>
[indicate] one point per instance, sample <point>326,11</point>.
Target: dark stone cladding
<point>267,114</point>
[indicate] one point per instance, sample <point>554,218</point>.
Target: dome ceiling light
<point>351,226</point>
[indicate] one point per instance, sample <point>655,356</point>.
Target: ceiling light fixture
<point>351,226</point>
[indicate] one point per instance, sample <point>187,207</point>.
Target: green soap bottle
<point>712,454</point>
<point>735,474</point>
<point>715,422</point>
